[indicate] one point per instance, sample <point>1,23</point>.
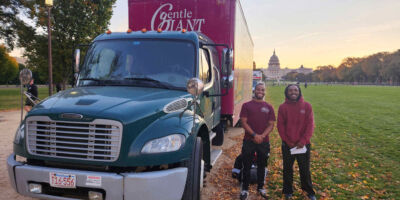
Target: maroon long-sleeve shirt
<point>295,122</point>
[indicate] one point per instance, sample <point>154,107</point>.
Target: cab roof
<point>190,35</point>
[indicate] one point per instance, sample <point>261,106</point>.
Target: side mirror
<point>227,61</point>
<point>227,64</point>
<point>77,56</point>
<point>195,86</point>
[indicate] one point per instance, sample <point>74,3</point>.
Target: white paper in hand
<point>295,150</point>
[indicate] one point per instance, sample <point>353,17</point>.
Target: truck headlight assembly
<point>165,144</point>
<point>19,134</point>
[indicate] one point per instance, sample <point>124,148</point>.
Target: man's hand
<point>299,145</point>
<point>258,139</point>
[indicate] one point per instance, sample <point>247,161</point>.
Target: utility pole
<point>49,4</point>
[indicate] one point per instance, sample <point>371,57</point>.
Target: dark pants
<point>303,160</point>
<point>248,149</point>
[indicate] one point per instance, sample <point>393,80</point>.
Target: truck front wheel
<point>193,180</point>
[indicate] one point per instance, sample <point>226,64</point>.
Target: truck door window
<point>205,69</point>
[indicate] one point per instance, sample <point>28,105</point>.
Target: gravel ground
<point>9,121</point>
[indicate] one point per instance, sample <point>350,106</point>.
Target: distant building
<point>274,71</point>
<point>303,70</point>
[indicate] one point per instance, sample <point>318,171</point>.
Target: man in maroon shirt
<point>257,118</point>
<point>296,126</point>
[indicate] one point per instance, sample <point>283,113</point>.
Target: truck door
<point>217,86</point>
<point>207,103</point>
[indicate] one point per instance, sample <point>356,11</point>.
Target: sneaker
<point>263,193</point>
<point>312,197</point>
<point>244,194</point>
<point>235,175</point>
<point>288,196</point>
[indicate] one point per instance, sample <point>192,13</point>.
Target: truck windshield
<point>149,63</point>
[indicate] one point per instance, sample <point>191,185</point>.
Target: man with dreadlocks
<point>295,127</point>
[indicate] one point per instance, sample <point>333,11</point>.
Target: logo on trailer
<point>166,18</point>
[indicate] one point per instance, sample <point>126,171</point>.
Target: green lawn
<point>356,143</point>
<point>10,98</point>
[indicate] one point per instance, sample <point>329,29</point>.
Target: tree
<point>326,73</point>
<point>301,77</point>
<point>371,66</point>
<point>73,22</point>
<point>8,66</point>
<point>390,71</point>
<point>343,70</point>
<point>357,74</point>
<point>8,19</point>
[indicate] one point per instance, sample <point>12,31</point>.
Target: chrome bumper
<point>167,184</point>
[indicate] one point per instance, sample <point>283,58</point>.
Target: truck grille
<point>99,140</point>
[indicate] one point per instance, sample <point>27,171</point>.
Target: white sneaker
<point>244,194</point>
<point>263,193</point>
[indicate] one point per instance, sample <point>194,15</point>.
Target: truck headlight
<point>19,134</point>
<point>165,144</point>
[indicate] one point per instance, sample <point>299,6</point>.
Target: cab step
<point>212,135</point>
<point>215,154</point>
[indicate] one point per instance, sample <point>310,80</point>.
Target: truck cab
<point>129,124</point>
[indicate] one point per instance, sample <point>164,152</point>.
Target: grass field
<point>356,143</point>
<point>10,98</point>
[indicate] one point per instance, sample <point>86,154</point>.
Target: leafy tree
<point>391,71</point>
<point>8,19</point>
<point>291,76</point>
<point>73,22</point>
<point>371,66</point>
<point>8,66</point>
<point>326,73</point>
<point>379,68</point>
<point>301,77</point>
<point>357,74</point>
<point>343,70</point>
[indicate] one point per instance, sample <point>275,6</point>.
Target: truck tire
<point>192,188</point>
<point>219,137</point>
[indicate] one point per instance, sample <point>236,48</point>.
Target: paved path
<point>9,121</point>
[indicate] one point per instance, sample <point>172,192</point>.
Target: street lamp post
<point>49,4</point>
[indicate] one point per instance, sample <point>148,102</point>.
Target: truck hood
<point>125,104</point>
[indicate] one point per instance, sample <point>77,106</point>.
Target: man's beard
<point>258,97</point>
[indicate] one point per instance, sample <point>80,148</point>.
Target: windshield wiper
<point>90,79</point>
<point>99,81</point>
<point>157,82</point>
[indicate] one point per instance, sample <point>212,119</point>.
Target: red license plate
<point>62,180</point>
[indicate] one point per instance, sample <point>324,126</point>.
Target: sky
<point>311,32</point>
<point>321,32</point>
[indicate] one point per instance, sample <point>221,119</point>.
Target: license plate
<point>62,180</point>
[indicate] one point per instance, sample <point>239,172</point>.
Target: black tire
<point>219,137</point>
<point>192,188</point>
